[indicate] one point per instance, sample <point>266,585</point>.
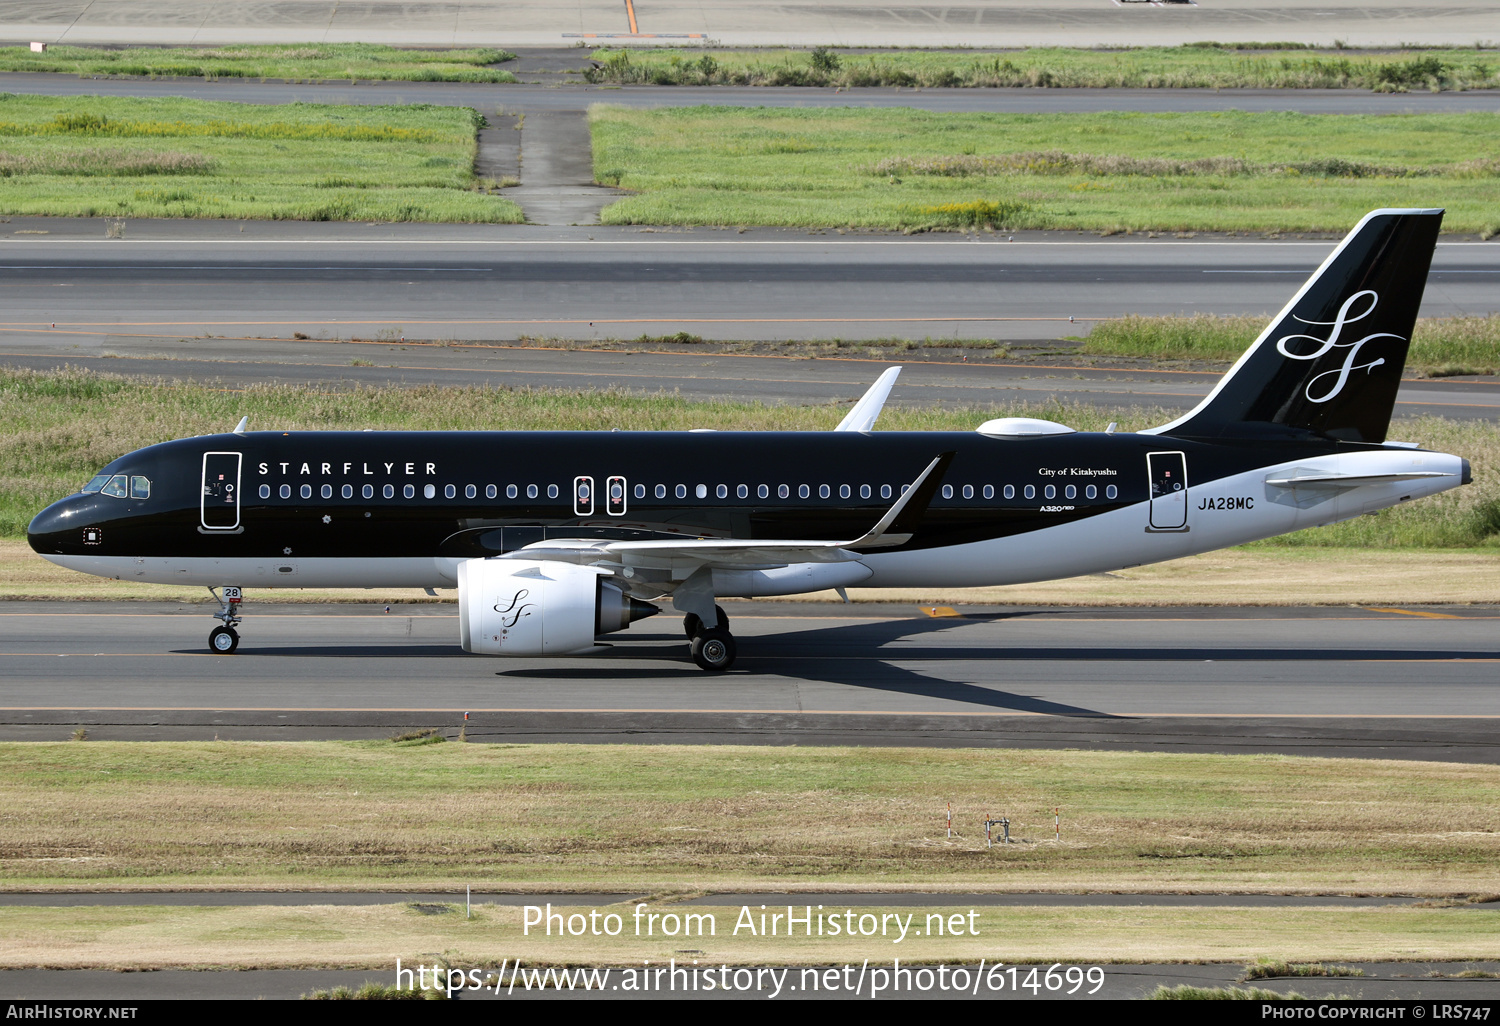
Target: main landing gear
<point>224,640</point>
<point>712,647</point>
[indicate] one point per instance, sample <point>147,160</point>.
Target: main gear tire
<point>713,650</point>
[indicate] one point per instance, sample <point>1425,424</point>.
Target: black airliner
<point>556,538</point>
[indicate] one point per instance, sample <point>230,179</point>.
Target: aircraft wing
<point>894,528</point>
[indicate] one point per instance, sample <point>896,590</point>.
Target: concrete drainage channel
<point>553,157</point>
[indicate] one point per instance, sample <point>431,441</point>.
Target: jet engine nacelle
<point>511,607</point>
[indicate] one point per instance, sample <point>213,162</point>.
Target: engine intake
<point>512,607</point>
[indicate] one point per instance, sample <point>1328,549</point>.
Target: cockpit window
<point>95,483</point>
<point>117,486</point>
<point>140,487</point>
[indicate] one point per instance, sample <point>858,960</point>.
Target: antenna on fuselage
<point>239,428</point>
<point>862,416</point>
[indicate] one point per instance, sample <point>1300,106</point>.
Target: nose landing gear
<point>225,639</point>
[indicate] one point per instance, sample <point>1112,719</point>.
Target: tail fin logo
<point>1341,373</point>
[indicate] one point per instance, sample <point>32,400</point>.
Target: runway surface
<point>69,287</point>
<point>207,302</point>
<point>977,23</point>
<point>1324,681</point>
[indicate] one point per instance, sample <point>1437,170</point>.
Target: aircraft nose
<point>60,527</point>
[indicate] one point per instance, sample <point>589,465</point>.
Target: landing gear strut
<point>692,624</point>
<point>224,640</point>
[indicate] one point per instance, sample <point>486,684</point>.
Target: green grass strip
<point>296,62</point>
<point>1203,66</point>
<point>1440,346</point>
<point>92,156</point>
<point>1114,171</point>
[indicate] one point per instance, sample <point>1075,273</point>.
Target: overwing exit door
<point>219,508</point>
<point>1168,474</point>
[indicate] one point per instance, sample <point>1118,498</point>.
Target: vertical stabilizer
<point>1331,361</point>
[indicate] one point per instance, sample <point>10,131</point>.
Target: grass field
<point>918,170</point>
<point>58,429</point>
<point>681,819</point>
<point>93,156</point>
<point>373,937</point>
<point>313,62</point>
<point>1204,66</point>
<point>1440,346</point>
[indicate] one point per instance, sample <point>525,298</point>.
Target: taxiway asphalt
<point>1414,684</point>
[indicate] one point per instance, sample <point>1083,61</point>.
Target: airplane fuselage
<point>403,509</point>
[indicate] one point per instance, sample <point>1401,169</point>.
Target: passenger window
<point>95,483</point>
<point>803,492</point>
<point>510,491</point>
<point>682,491</point>
<point>430,491</point>
<point>661,491</point>
<point>328,491</point>
<point>864,491</point>
<point>115,487</point>
<point>783,491</point>
<point>968,491</point>
<point>1031,491</point>
<point>989,491</point>
<point>762,491</point>
<point>722,491</point>
<point>823,491</point>
<point>843,491</point>
<point>947,491</point>
<point>490,491</point>
<point>1071,492</point>
<point>389,491</point>
<point>640,491</point>
<point>450,492</point>
<point>701,491</point>
<point>885,491</point>
<point>368,491</point>
<point>409,492</point>
<point>286,491</point>
<point>265,491</point>
<point>1010,491</point>
<point>531,492</point>
<point>552,491</point>
<point>140,488</point>
<point>1111,492</point>
<point>470,491</point>
<point>347,491</point>
<point>306,491</point>
<point>1051,491</point>
<point>743,491</point>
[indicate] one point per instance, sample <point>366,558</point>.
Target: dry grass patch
<point>599,817</point>
<point>373,937</point>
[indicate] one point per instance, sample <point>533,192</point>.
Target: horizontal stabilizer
<point>1349,480</point>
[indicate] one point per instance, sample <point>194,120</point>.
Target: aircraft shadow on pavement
<point>827,658</point>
